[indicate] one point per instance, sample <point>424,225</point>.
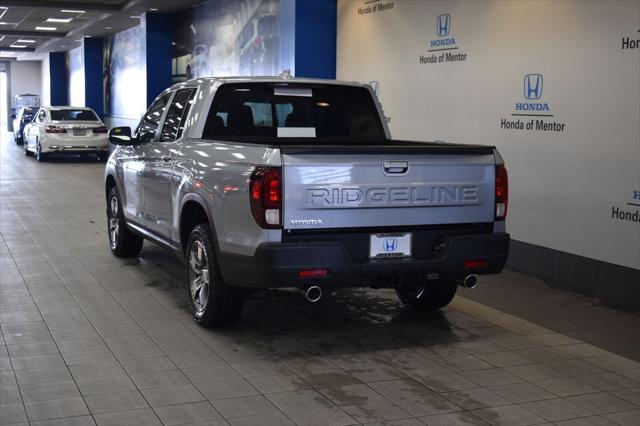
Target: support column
<point>59,94</point>
<point>93,69</point>
<point>316,36</point>
<point>159,30</point>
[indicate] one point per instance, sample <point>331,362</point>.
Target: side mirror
<point>121,136</point>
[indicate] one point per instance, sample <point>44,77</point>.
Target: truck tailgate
<point>387,185</point>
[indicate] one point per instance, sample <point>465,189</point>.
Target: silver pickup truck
<point>284,182</point>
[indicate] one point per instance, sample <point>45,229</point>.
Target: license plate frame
<point>392,245</point>
<point>79,131</point>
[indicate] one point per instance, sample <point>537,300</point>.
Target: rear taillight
<point>101,129</point>
<point>54,129</point>
<point>502,192</point>
<point>265,194</point>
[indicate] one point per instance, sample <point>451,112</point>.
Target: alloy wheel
<point>114,225</point>
<point>199,276</point>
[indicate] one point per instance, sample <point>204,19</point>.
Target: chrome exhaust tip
<point>313,293</point>
<point>470,281</point>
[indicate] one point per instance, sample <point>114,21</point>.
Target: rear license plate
<point>79,132</point>
<point>390,245</point>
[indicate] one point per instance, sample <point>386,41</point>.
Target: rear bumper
<point>74,149</point>
<point>277,264</point>
<point>63,143</point>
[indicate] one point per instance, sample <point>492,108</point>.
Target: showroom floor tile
<point>86,338</point>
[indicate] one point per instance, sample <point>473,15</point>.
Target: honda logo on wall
<point>534,107</point>
<point>533,86</point>
<point>443,25</point>
<point>444,42</point>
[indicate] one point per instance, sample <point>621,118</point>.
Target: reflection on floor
<point>87,338</point>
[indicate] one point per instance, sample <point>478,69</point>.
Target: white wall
<point>45,100</point>
<point>564,184</point>
<point>25,77</point>
<point>75,70</point>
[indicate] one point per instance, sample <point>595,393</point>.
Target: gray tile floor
<point>90,339</point>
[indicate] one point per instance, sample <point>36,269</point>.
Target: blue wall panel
<point>58,78</point>
<point>159,53</point>
<point>94,92</point>
<point>316,33</point>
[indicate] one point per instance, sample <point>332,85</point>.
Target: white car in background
<point>198,65</point>
<point>66,130</point>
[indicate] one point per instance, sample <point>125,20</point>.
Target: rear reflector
<point>475,264</point>
<point>312,273</point>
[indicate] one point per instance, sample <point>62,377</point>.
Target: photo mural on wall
<point>124,73</point>
<point>234,37</point>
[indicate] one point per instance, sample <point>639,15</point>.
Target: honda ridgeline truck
<point>284,182</point>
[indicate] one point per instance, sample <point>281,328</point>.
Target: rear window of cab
<point>273,112</point>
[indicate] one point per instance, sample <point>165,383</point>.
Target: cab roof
<point>261,79</point>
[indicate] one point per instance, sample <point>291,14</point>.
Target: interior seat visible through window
<point>240,118</point>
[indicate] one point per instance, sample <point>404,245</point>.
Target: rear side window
<point>277,113</point>
<point>176,115</point>
<point>146,130</point>
<point>73,115</point>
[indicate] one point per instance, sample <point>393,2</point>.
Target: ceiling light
<point>26,41</point>
<point>108,28</point>
<point>5,23</point>
<point>71,11</point>
<point>46,28</point>
<point>153,9</point>
<point>63,20</point>
<point>87,36</point>
<point>134,17</point>
<point>18,46</point>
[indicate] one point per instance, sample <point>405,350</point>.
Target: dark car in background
<point>20,120</point>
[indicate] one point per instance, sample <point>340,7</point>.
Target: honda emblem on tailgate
<point>390,244</point>
<point>395,168</point>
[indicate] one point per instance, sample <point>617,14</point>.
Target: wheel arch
<point>193,211</point>
<point>109,183</point>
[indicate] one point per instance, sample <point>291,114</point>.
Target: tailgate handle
<point>395,168</point>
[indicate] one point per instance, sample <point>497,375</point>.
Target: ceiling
<point>42,26</point>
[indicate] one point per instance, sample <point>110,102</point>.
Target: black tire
<point>19,139</point>
<point>40,156</point>
<point>102,157</point>
<point>213,302</point>
<point>26,151</point>
<point>428,297</point>
<point>122,241</point>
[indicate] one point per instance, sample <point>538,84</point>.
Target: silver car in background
<point>66,130</point>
